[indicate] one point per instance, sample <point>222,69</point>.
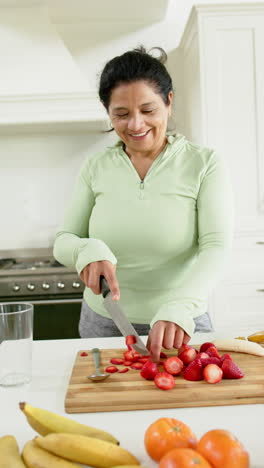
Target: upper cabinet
<point>42,84</point>
<point>223,67</point>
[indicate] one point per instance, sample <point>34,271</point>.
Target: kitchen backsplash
<point>37,175</point>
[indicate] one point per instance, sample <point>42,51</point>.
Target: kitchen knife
<point>120,318</point>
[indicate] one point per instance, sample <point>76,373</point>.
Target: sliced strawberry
<point>122,371</point>
<point>117,361</point>
<point>130,339</point>
<point>137,355</point>
<point>164,381</point>
<point>231,370</point>
<point>212,373</point>
<point>111,369</point>
<point>83,354</point>
<point>194,371</point>
<point>143,359</point>
<point>225,356</point>
<point>149,370</point>
<point>202,356</point>
<point>131,356</point>
<point>128,355</point>
<point>188,355</point>
<point>211,360</point>
<point>173,365</point>
<point>163,355</point>
<point>204,346</point>
<point>212,351</point>
<point>137,365</point>
<point>127,363</point>
<point>183,348</point>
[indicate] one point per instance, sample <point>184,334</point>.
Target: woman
<point>153,213</point>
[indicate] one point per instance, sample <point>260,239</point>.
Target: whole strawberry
<point>149,370</point>
<point>205,346</point>
<point>194,371</point>
<point>211,360</point>
<point>212,351</point>
<point>225,356</point>
<point>231,370</point>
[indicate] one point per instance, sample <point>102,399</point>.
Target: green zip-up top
<point>169,234</point>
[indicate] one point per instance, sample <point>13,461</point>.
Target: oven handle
<point>57,301</point>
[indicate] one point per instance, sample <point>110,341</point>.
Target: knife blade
<point>120,319</point>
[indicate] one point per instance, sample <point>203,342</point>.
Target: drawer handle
<point>260,290</point>
<point>260,242</point>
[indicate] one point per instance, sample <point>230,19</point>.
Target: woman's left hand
<point>166,335</point>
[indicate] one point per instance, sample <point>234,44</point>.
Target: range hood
<point>40,82</point>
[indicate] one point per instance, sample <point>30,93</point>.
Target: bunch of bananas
<point>62,443</point>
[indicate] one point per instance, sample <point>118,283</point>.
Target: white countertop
<point>52,365</point>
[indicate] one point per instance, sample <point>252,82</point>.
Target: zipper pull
<point>141,191</point>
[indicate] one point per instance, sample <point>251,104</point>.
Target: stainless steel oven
<point>56,291</point>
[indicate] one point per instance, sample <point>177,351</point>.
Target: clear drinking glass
<point>16,330</point>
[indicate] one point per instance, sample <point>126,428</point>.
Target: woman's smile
<point>139,135</point>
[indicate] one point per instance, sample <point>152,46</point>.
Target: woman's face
<point>139,116</point>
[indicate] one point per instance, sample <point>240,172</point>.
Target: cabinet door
<point>238,307</point>
<point>232,86</point>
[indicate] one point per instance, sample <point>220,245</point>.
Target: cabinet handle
<point>260,242</point>
<point>260,290</point>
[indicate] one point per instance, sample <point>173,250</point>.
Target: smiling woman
<point>139,117</point>
<point>153,213</point>
<point>136,90</point>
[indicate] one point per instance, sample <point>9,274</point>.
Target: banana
<point>257,337</point>
<point>86,450</point>
<point>36,457</point>
<point>9,453</point>
<point>239,346</point>
<point>45,422</point>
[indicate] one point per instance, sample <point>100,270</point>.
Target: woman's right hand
<point>90,275</point>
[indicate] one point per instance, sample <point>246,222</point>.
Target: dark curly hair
<point>135,65</point>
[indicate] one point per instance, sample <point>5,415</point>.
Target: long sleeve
<point>215,233</point>
<point>73,247</point>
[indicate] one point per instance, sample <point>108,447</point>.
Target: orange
<point>166,434</point>
<point>183,458</point>
<point>223,450</point>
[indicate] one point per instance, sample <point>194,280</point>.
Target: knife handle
<point>104,287</point>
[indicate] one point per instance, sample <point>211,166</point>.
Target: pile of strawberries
<point>206,364</point>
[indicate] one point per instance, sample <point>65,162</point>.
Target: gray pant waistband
<point>93,325</point>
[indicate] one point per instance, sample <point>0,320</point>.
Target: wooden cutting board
<point>129,391</point>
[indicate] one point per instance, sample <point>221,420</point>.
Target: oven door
<point>55,317</point>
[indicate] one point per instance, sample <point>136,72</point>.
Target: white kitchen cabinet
<point>238,305</point>
<point>223,79</point>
